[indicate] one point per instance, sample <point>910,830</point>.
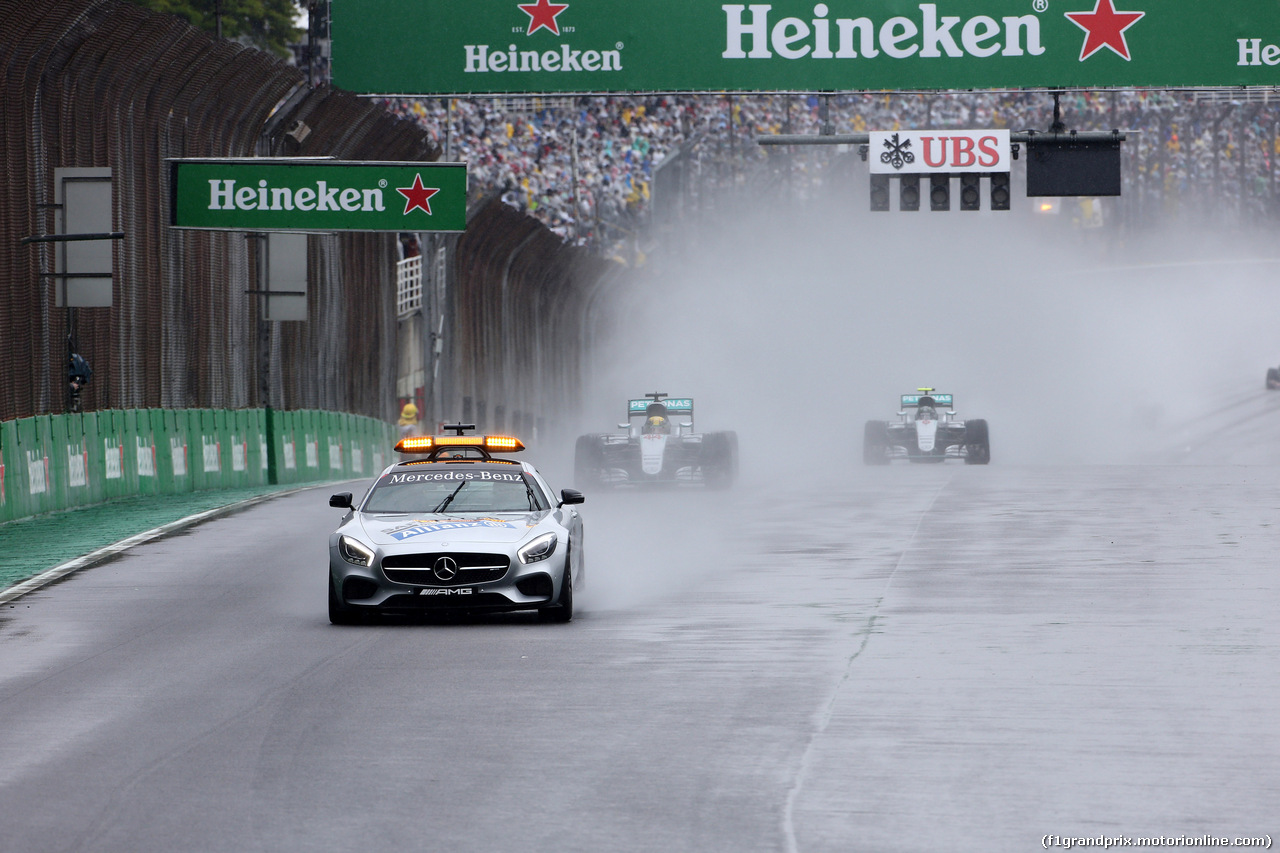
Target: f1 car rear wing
<point>673,405</point>
<point>942,401</point>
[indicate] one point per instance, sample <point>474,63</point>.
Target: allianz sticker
<point>419,529</point>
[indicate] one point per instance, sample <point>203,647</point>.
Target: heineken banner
<point>542,46</point>
<point>259,194</point>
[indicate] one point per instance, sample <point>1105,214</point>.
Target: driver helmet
<point>656,424</point>
<point>926,413</point>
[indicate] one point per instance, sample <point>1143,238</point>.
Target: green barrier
<point>85,431</point>
<point>8,467</point>
<point>109,452</point>
<point>180,452</point>
<point>55,462</point>
<point>33,447</point>
<point>283,438</point>
<point>198,454</point>
<point>148,440</point>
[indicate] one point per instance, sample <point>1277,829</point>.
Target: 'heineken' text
<point>223,195</point>
<point>898,37</point>
<point>480,59</point>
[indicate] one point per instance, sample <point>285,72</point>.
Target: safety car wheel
<point>977,443</point>
<point>339,615</point>
<point>562,610</point>
<point>875,443</point>
<point>1273,378</point>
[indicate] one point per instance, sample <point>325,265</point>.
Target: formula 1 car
<point>456,528</point>
<point>659,447</point>
<point>927,432</point>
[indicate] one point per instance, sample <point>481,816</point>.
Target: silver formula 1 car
<point>658,447</point>
<point>927,431</point>
<point>456,528</point>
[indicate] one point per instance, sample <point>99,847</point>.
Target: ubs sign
<point>907,152</point>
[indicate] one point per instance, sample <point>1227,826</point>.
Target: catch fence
<point>105,83</point>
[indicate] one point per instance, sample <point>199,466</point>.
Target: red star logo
<point>417,196</point>
<point>1104,27</point>
<point>543,14</point>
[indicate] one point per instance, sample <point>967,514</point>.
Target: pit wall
<point>55,462</point>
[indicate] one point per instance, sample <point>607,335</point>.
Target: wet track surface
<point>908,658</point>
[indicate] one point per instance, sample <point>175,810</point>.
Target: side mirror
<point>571,496</point>
<point>342,500</point>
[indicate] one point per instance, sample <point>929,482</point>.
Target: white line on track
<point>824,717</point>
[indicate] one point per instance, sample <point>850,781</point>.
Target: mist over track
<point>1078,639</point>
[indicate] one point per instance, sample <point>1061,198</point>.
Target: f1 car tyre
<point>875,443</point>
<point>977,443</point>
<point>562,610</point>
<point>339,615</point>
<point>720,458</point>
<point>1273,378</point>
<point>732,438</point>
<point>587,460</point>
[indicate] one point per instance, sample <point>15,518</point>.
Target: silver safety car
<point>454,526</point>
<point>927,430</point>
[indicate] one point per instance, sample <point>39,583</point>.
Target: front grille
<point>421,569</point>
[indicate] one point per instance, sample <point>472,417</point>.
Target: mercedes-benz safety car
<point>658,446</point>
<point>454,526</point>
<point>926,431</point>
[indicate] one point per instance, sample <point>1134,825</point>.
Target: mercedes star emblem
<point>446,568</point>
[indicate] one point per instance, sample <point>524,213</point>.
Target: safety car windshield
<point>455,491</point>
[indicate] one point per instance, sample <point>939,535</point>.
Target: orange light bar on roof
<point>416,444</point>
<point>428,443</point>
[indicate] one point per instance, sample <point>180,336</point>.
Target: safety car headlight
<point>354,551</point>
<point>539,549</point>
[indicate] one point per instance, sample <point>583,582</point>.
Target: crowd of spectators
<point>585,165</point>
